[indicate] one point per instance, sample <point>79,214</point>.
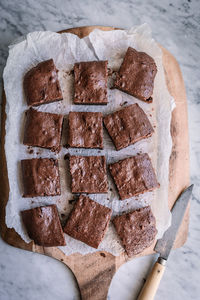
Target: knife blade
<point>164,246</point>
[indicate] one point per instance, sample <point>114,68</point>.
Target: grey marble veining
<point>176,25</point>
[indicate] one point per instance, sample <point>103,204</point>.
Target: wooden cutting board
<point>94,272</point>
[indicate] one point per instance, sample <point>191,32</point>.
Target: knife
<point>164,246</point>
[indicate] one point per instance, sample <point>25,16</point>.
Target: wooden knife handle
<point>152,283</point>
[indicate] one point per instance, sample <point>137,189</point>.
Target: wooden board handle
<point>93,272</point>
<point>151,285</point>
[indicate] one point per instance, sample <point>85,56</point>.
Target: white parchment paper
<point>66,49</point>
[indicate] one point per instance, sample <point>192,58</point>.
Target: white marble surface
<point>176,25</point>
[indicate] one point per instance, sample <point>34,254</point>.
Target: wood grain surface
<point>94,272</point>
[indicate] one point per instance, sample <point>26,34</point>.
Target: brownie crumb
<point>102,254</point>
<point>150,100</point>
<point>66,156</point>
<point>66,146</point>
<point>110,72</point>
<point>124,103</point>
<point>72,201</point>
<point>71,72</point>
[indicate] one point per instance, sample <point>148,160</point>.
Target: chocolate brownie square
<point>88,221</point>
<point>137,230</point>
<point>91,82</point>
<point>85,130</point>
<point>136,75</point>
<point>88,174</point>
<point>43,130</point>
<point>40,177</point>
<point>134,175</point>
<point>43,226</point>
<point>41,84</point>
<point>128,126</point>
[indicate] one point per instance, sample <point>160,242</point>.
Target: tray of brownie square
<point>94,271</point>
